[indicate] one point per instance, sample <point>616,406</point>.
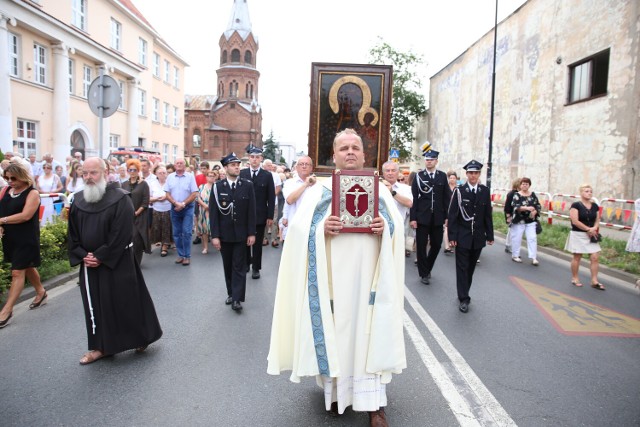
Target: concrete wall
<point>536,132</point>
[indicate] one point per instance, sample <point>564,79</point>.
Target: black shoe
<point>464,306</point>
<point>42,302</point>
<point>236,306</point>
<point>425,280</point>
<point>229,300</point>
<point>255,274</point>
<point>197,241</point>
<point>5,322</point>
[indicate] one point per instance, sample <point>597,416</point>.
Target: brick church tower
<point>230,120</point>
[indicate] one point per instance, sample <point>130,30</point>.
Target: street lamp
<point>493,96</point>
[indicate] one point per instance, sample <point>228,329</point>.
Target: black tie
<point>473,190</point>
<point>233,187</point>
<point>431,176</point>
<point>254,174</point>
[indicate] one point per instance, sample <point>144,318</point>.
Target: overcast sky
<point>292,34</point>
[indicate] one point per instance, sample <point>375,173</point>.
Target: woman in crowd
<point>20,231</point>
<point>633,244</point>
<point>170,169</point>
<point>122,173</point>
<point>452,178</point>
<point>63,178</point>
<point>526,210</point>
<point>508,212</point>
<point>204,194</point>
<point>583,237</point>
<point>139,190</point>
<point>74,180</point>
<point>161,223</point>
<point>47,183</point>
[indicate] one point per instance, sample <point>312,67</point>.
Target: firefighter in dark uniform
<point>470,228</point>
<point>232,213</point>
<point>431,196</point>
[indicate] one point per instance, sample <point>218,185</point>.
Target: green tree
<point>270,148</point>
<point>408,105</point>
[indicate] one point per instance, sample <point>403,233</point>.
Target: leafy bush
<point>53,253</point>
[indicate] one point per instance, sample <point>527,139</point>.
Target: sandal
<point>598,286</point>
<point>91,357</point>
<point>577,284</point>
<point>40,303</point>
<point>275,244</point>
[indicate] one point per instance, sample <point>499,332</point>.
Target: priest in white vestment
<point>339,300</point>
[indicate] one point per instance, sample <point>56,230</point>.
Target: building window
<point>235,55</point>
<point>71,75</point>
<point>122,89</point>
<point>155,146</point>
<point>79,14</point>
<point>86,80</point>
<point>156,110</point>
<point>247,57</point>
<point>165,114</point>
<point>165,153</point>
<point>40,64</point>
<point>142,102</point>
<point>116,34</point>
<point>249,90</point>
<point>156,64</point>
<point>176,117</point>
<point>176,77</point>
<point>14,55</point>
<point>114,141</point>
<point>142,51</point>
<point>233,89</point>
<point>175,152</point>
<point>588,78</point>
<point>166,71</point>
<point>224,57</point>
<point>27,138</point>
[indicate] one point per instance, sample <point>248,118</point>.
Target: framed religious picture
<point>355,199</point>
<point>349,96</point>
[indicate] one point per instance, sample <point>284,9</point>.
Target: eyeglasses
<point>304,164</point>
<point>132,170</point>
<point>46,167</point>
<point>11,178</point>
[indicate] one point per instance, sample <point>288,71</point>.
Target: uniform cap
<point>229,158</point>
<point>473,166</point>
<point>431,154</point>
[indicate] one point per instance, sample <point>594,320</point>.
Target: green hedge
<point>53,252</point>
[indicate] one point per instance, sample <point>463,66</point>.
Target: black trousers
<point>254,253</point>
<point>235,264</point>
<point>466,260</point>
<point>424,234</point>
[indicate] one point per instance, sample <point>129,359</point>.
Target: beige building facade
<point>567,99</point>
<point>51,51</point>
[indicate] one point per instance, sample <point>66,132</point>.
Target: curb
<point>54,282</point>
<point>618,274</point>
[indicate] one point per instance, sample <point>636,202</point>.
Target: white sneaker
<point>535,262</point>
<point>516,259</point>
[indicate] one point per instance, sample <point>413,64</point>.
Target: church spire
<point>239,20</point>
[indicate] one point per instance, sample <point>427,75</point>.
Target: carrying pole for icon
<point>86,286</point>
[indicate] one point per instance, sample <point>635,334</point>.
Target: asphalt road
<point>506,362</point>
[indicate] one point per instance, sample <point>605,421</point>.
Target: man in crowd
<point>232,216</point>
<point>265,194</point>
<point>48,159</point>
<point>431,196</point>
<point>295,190</point>
<point>470,227</point>
<point>119,312</point>
<point>78,157</point>
<point>36,168</point>
<point>401,194</point>
<point>277,183</point>
<point>344,324</point>
<point>181,192</point>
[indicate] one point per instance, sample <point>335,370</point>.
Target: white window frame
<point>156,65</point>
<point>176,77</point>
<point>155,146</point>
<point>27,140</point>
<point>14,55</point>
<point>175,153</point>
<point>167,71</point>
<point>165,153</point>
<point>142,51</point>
<point>87,72</point>
<point>156,110</point>
<point>176,116</point>
<point>116,35</point>
<point>39,64</point>
<point>79,14</point>
<point>72,76</point>
<point>123,87</point>
<point>142,102</point>
<point>114,140</point>
<point>165,114</point>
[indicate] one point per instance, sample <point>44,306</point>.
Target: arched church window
<point>224,57</point>
<point>235,55</point>
<point>248,58</point>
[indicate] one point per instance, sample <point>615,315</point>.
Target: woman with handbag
<point>584,236</point>
<point>526,210</point>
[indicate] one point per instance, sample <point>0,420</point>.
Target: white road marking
<point>471,402</point>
